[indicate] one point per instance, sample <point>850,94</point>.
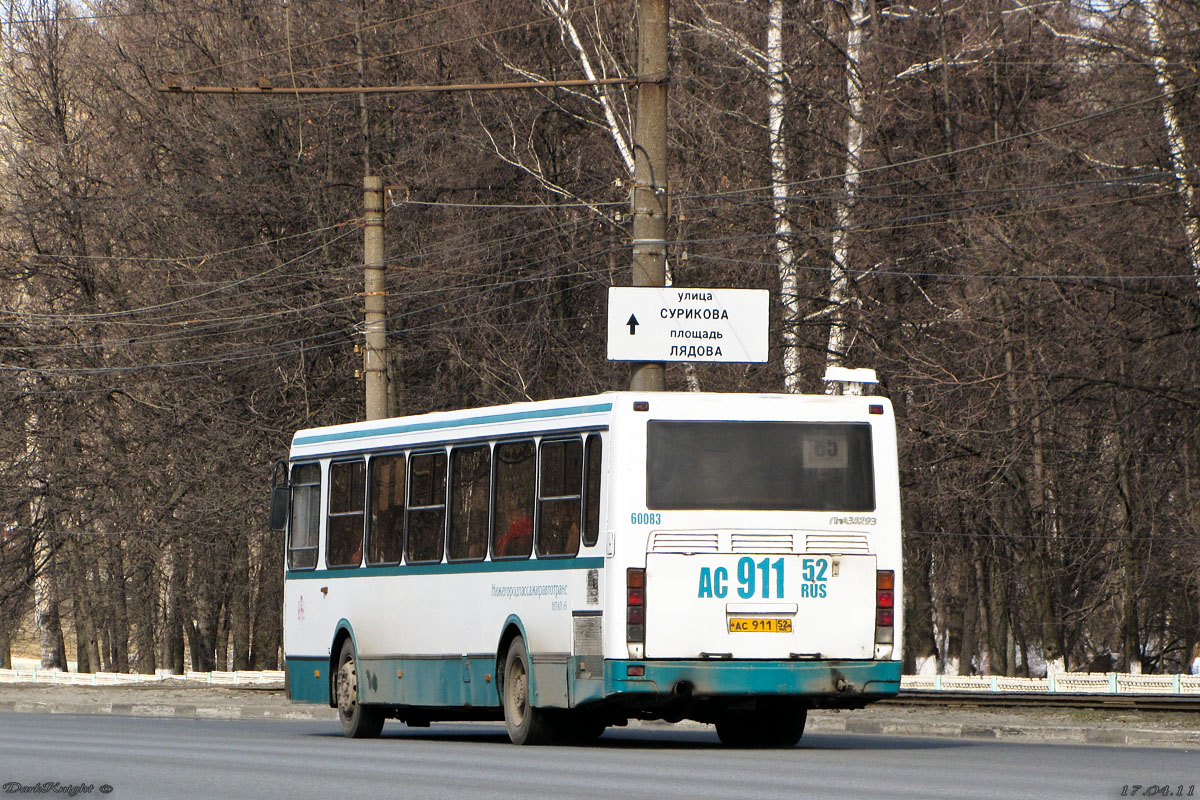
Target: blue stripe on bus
<point>456,682</point>
<point>415,427</point>
<point>462,682</point>
<point>308,679</point>
<point>527,565</point>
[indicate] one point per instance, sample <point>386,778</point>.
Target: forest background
<point>990,202</point>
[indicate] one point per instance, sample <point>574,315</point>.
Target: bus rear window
<point>760,466</point>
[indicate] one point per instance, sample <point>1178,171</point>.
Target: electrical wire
<point>126,14</point>
<point>963,150</point>
<point>314,42</point>
<point>304,342</point>
<point>447,42</point>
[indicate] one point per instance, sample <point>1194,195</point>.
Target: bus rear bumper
<point>823,683</point>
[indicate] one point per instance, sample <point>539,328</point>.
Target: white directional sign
<point>683,324</point>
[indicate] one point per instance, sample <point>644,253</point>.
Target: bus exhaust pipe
<point>679,701</point>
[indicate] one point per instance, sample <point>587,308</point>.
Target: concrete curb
<point>1046,733</point>
<point>223,711</point>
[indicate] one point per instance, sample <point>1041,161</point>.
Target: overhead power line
<point>974,147</point>
<point>265,87</point>
<point>334,38</point>
<point>158,12</point>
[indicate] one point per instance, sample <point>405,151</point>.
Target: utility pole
<point>649,197</point>
<point>374,300</point>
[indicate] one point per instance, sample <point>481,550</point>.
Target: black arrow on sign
<point>632,323</point>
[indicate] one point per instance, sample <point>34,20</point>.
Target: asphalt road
<point>146,757</point>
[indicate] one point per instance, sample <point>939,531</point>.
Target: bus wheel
<point>358,721</point>
<point>526,724</point>
<point>781,726</point>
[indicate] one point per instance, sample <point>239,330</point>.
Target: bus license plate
<point>759,625</point>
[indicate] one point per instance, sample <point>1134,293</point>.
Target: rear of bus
<point>754,543</point>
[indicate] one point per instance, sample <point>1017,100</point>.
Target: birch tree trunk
<point>789,287</point>
<point>770,63</point>
<point>843,215</point>
<point>1181,166</point>
<point>607,115</point>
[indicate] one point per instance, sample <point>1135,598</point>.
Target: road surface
<point>119,756</point>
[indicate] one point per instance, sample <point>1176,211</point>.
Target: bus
<point>569,565</point>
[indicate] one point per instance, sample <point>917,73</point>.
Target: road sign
<point>647,323</point>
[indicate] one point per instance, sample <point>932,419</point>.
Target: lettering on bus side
<point>764,579</point>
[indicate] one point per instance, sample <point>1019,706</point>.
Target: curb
<point>185,710</point>
<point>1041,734</point>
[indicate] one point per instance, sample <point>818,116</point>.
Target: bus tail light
<point>635,605</point>
<point>885,606</point>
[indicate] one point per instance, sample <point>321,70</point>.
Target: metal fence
<point>54,676</point>
<point>1062,683</point>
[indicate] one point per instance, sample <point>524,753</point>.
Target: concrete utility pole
<point>375,305</point>
<point>650,169</point>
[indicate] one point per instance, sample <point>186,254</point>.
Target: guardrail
<point>1062,683</point>
<point>54,676</point>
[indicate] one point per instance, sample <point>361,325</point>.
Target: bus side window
<point>305,518</point>
<point>385,526</point>
<point>426,507</point>
<point>560,491</point>
<point>470,485</point>
<point>512,515</point>
<point>347,492</point>
<point>593,458</point>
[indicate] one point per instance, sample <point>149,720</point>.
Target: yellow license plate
<point>759,625</point>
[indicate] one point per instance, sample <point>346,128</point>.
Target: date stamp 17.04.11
<point>1158,790</point>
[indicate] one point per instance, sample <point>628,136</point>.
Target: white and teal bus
<point>572,564</point>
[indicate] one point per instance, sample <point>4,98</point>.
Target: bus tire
<point>783,727</point>
<point>779,727</point>
<point>359,721</point>
<point>525,723</point>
